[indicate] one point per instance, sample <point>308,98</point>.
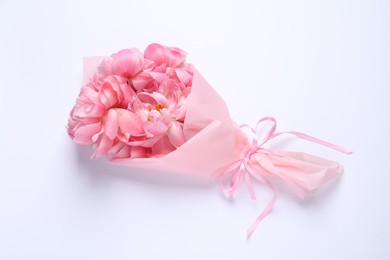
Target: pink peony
<point>134,106</point>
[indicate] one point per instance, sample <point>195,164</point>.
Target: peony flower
<point>171,62</point>
<point>84,121</point>
<point>159,117</point>
<point>173,95</point>
<point>110,91</point>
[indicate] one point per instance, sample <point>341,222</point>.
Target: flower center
<point>159,107</point>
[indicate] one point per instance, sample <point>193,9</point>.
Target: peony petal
<point>115,148</point>
<point>158,76</point>
<point>128,95</point>
<point>176,56</point>
<point>166,116</point>
<point>141,81</point>
<point>103,146</point>
<point>175,134</point>
<point>156,53</point>
<point>149,142</point>
<point>83,134</point>
<point>160,99</point>
<point>155,128</point>
<point>159,54</point>
<point>124,152</point>
<point>119,150</point>
<point>89,93</point>
<point>108,96</point>
<point>148,64</point>
<point>138,152</point>
<point>161,68</point>
<point>111,125</point>
<point>183,75</point>
<point>88,110</point>
<point>147,98</point>
<point>129,122</point>
<point>127,62</point>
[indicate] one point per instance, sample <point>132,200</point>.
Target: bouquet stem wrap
<point>216,147</point>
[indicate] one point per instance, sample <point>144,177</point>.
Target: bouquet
<point>154,110</point>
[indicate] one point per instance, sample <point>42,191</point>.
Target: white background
<point>320,67</point>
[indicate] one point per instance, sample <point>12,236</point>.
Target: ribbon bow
<point>249,167</point>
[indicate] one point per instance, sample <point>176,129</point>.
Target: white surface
<point>321,67</point>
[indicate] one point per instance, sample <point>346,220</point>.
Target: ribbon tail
<point>261,216</point>
<point>270,204</point>
<point>248,182</point>
<point>316,140</point>
<point>302,172</point>
<point>235,180</point>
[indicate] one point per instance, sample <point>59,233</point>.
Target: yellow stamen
<point>159,107</point>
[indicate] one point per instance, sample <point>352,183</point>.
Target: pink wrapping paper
<point>302,172</point>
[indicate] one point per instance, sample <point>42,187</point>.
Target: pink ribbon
<point>243,169</point>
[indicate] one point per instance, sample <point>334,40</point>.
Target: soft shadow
<point>101,170</point>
